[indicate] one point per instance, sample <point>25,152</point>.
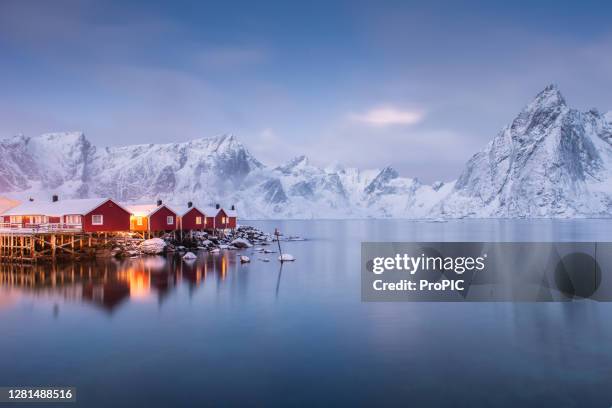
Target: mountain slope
<point>551,161</point>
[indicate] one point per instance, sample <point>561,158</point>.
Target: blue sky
<point>417,85</point>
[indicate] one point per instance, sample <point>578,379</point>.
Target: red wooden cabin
<point>153,218</point>
<point>192,219</point>
<point>209,221</point>
<point>221,219</point>
<point>86,215</point>
<point>232,216</point>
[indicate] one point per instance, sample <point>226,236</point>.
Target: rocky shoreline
<point>241,237</point>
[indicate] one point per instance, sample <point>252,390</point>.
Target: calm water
<point>160,332</point>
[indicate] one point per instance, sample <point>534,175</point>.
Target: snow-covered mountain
<point>551,161</point>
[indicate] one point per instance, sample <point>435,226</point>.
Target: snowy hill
<point>551,161</point>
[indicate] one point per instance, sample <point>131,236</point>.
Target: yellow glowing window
<point>139,221</point>
<point>199,220</point>
<point>223,220</point>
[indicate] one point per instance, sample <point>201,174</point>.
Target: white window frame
<point>74,219</point>
<point>93,219</point>
<point>198,220</point>
<point>170,220</point>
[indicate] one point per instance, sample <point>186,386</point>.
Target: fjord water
<point>162,332</point>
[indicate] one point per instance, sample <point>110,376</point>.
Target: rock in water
<point>153,246</point>
<point>241,243</point>
<point>189,256</point>
<point>245,259</point>
<point>286,258</point>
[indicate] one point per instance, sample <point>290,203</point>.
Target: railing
<point>39,228</point>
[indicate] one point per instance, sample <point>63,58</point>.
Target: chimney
<point>217,206</point>
<point>159,202</point>
<point>189,204</point>
<point>55,198</point>
<point>233,207</point>
<point>31,199</point>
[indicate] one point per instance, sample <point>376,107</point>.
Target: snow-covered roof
<point>182,210</point>
<point>210,211</point>
<point>7,203</point>
<point>145,210</point>
<point>231,213</point>
<point>58,208</point>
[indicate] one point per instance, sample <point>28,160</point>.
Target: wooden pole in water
<point>280,251</point>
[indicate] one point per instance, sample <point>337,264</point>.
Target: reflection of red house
<point>192,218</point>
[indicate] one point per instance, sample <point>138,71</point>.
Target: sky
<point>420,86</point>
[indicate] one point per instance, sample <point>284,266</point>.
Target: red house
<point>86,215</point>
<point>152,218</point>
<point>232,216</point>
<point>192,219</point>
<point>210,214</point>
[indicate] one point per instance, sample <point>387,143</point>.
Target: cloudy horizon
<point>366,84</point>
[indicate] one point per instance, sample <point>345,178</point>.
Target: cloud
<point>388,116</point>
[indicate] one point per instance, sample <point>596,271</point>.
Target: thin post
<point>277,234</point>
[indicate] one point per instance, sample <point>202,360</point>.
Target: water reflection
<point>110,283</point>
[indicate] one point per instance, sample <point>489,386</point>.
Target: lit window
<point>139,221</point>
<point>223,220</point>
<point>97,219</point>
<point>169,220</point>
<point>198,220</point>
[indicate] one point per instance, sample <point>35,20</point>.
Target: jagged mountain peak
<point>550,96</point>
<point>297,164</point>
<point>550,162</point>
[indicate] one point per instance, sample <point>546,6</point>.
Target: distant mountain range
<point>551,161</point>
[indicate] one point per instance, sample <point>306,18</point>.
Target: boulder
<point>241,243</point>
<point>153,246</point>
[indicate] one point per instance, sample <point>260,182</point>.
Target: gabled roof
<point>210,211</point>
<point>231,213</point>
<point>145,210</point>
<point>7,203</point>
<point>185,209</point>
<point>58,208</point>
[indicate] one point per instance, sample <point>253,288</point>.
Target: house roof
<point>210,211</point>
<point>58,208</point>
<point>7,203</point>
<point>146,210</point>
<point>231,213</point>
<point>185,209</point>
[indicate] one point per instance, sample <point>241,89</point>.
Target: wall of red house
<point>54,220</point>
<point>232,222</point>
<point>210,221</point>
<point>218,223</point>
<point>158,221</point>
<point>115,218</point>
<point>189,220</point>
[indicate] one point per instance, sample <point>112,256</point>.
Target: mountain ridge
<point>550,161</point>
